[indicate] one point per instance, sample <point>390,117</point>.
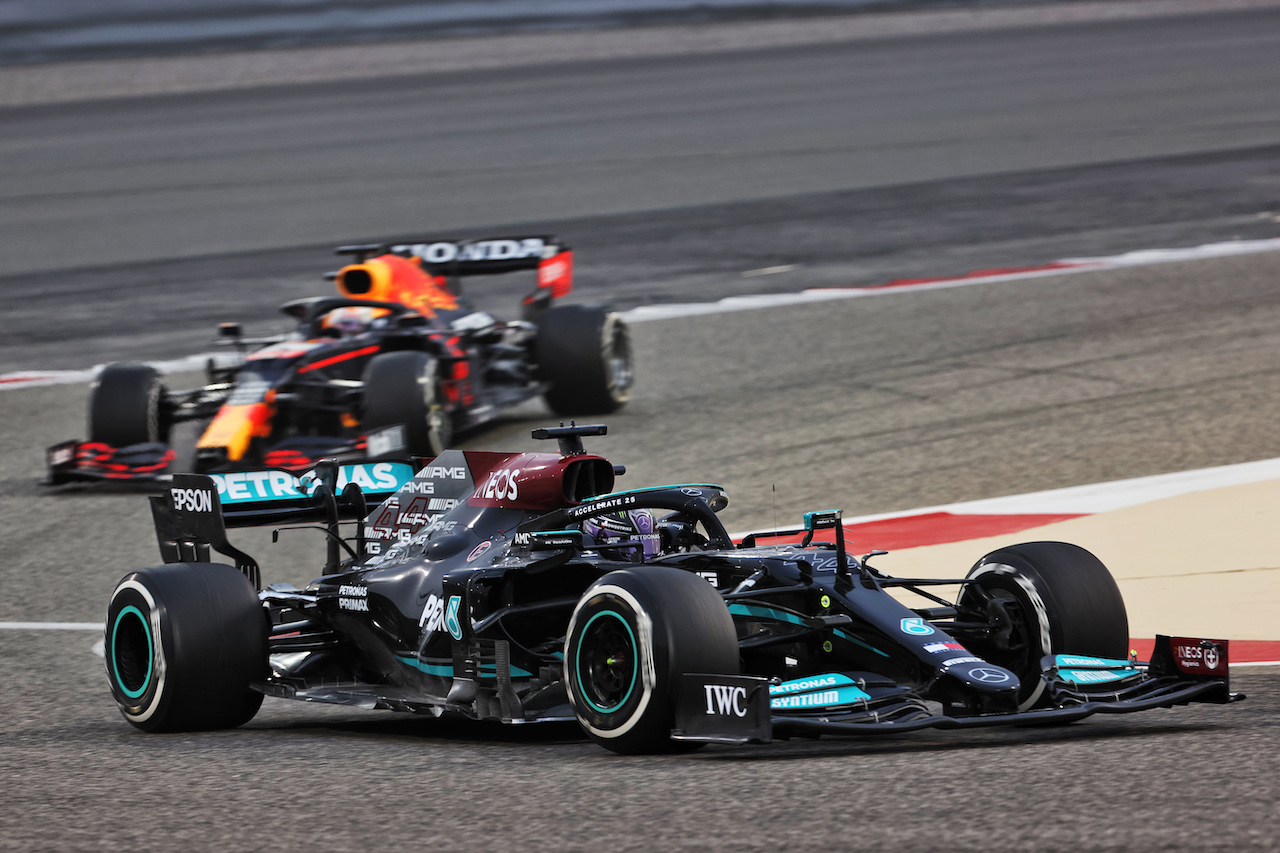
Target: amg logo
<point>192,500</point>
<point>481,250</point>
<point>724,699</point>
<point>418,487</point>
<point>439,472</point>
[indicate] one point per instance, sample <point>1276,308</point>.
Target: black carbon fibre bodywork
<point>289,400</point>
<point>454,596</point>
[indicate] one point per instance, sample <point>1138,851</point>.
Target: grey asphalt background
<point>673,178</point>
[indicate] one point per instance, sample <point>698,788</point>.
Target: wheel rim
<point>131,652</point>
<point>1019,653</point>
<point>607,662</point>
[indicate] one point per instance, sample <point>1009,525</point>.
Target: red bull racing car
<point>522,587</point>
<point>394,364</point>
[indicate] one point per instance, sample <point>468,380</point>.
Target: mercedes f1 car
<point>393,365</point>
<point>521,587</point>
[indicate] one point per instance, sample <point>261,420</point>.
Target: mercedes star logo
<point>697,493</point>
<point>982,675</point>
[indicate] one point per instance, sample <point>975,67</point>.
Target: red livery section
<point>539,481</point>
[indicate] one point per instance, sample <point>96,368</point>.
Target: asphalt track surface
<point>872,404</point>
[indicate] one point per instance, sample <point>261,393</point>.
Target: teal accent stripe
<point>516,672</point>
<point>428,668</point>
<point>635,668</point>
<point>784,616</point>
<point>654,489</point>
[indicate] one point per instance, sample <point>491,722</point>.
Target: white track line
<point>52,626</point>
<point>647,313</point>
<point>1068,266</point>
<point>1098,497</point>
<point>31,378</point>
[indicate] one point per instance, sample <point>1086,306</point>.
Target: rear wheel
<point>584,356</point>
<point>183,643</point>
<point>126,406</point>
<point>632,636</point>
<point>1045,598</point>
<point>400,388</point>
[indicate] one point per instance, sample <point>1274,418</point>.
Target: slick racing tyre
<point>183,642</point>
<point>126,406</point>
<point>632,636</point>
<point>1047,598</point>
<point>584,356</point>
<point>400,388</point>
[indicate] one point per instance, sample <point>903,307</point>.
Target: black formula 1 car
<point>521,587</point>
<point>393,365</point>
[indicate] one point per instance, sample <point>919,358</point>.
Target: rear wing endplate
<point>192,515</point>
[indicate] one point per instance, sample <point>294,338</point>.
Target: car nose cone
<point>983,676</point>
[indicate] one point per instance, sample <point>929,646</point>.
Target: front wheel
<point>1045,598</point>
<point>126,406</point>
<point>584,356</point>
<point>183,643</point>
<point>632,636</point>
<point>400,389</point>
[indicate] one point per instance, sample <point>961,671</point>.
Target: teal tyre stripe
<point>135,613</point>
<point>635,668</point>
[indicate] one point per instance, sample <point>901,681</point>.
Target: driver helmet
<point>627,534</point>
<point>350,319</point>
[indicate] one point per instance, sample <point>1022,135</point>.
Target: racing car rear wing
<point>192,516</point>
<point>552,259</point>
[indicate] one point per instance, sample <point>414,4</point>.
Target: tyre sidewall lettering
<point>131,593</point>
<point>1011,575</point>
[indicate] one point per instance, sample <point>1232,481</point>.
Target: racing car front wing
<point>738,709</point>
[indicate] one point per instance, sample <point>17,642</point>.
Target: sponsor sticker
<point>477,551</point>
<point>444,252</point>
<point>502,485</point>
<point>1095,676</point>
<point>249,486</point>
<point>1197,656</point>
<point>432,618</point>
<point>816,691</point>
<point>939,648</point>
<point>726,700</point>
<point>386,441</point>
<point>353,597</point>
<point>451,622</point>
<point>988,675</point>
<point>191,500</point>
<point>917,626</point>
